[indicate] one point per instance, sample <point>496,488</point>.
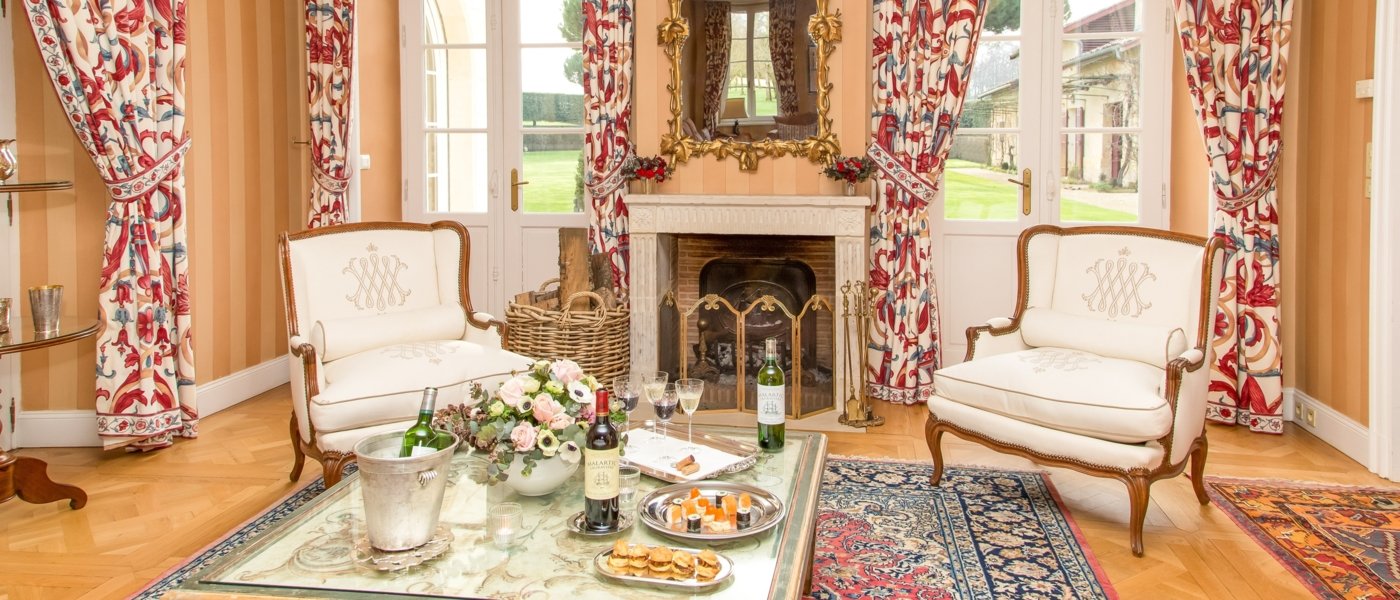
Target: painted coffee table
<point>312,554</point>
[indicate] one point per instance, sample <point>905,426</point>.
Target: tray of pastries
<point>682,568</point>
<point>711,511</point>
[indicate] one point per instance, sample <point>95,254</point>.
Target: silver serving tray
<point>747,453</point>
<point>576,525</point>
<point>726,570</point>
<point>766,513</point>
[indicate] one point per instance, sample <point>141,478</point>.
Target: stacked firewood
<point>579,271</point>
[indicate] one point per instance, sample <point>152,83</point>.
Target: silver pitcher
<point>403,496</point>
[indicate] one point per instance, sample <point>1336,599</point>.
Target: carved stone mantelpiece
<point>653,215</point>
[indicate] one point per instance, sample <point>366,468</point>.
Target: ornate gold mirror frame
<point>825,29</point>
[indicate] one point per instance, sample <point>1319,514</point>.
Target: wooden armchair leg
<point>298,455</point>
<point>1198,471</point>
<point>333,466</point>
<point>934,434</point>
<point>1139,492</point>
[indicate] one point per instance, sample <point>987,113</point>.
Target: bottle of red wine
<point>600,470</point>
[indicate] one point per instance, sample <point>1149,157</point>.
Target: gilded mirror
<point>747,81</point>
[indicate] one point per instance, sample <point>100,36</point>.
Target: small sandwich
<point>620,553</point>
<point>637,556</point>
<point>682,565</point>
<point>659,562</point>
<point>706,565</point>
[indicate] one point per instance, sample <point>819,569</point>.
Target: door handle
<point>1025,183</point>
<point>515,184</point>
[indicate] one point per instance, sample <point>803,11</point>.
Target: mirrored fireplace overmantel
<point>652,217</point>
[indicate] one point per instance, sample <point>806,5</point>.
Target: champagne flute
<point>654,384</point>
<point>628,389</point>
<point>689,392</point>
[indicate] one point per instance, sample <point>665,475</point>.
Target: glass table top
<point>313,552</point>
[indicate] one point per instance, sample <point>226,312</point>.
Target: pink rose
<point>585,414</point>
<point>523,436</point>
<point>566,371</point>
<point>546,408</point>
<point>560,422</point>
<point>512,391</point>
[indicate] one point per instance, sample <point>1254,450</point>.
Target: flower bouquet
<point>534,416</point>
<point>850,169</point>
<point>649,170</point>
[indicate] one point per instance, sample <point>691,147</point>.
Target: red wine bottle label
<point>600,472</point>
<point>770,404</point>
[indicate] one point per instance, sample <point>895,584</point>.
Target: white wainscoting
<point>75,428</point>
<point>1338,430</point>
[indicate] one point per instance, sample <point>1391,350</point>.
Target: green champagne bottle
<point>422,438</point>
<point>772,399</point>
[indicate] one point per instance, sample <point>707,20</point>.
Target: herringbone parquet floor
<point>147,513</point>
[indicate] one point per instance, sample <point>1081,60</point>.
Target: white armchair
<point>375,313</point>
<point>1103,368</point>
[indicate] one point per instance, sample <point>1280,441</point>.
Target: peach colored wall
<point>244,186</point>
<point>380,118</point>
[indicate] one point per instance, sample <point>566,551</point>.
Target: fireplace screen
<point>719,336</point>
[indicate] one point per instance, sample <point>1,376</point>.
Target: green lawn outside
<point>978,198</point>
<point>551,177</point>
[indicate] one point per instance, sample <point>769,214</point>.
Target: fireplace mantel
<point>650,216</point>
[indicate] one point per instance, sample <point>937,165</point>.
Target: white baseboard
<point>75,428</point>
<point>1338,430</point>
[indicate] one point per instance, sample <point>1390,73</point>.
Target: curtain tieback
<point>601,187</point>
<point>895,171</point>
<point>140,184</point>
<point>328,182</point>
<point>1254,193</point>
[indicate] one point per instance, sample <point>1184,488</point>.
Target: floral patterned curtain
<point>1236,62</point>
<point>923,51</point>
<point>607,115</point>
<point>118,68</point>
<point>330,38</point>
<point>782,47</point>
<point>716,63</point>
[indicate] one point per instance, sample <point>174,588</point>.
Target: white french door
<point>493,132</point>
<point>1066,121</point>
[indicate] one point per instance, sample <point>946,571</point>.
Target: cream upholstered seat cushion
<point>386,384</point>
<point>1069,390</point>
<point>1052,442</point>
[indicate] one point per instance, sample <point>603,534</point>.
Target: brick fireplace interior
<point>741,269</point>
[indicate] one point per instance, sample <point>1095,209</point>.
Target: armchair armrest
<point>1186,388</point>
<point>999,336</point>
<point>487,329</point>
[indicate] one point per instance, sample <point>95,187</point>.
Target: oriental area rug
<point>883,532</point>
<point>1339,541</point>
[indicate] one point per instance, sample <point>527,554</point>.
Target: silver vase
<point>8,162</point>
<point>45,305</point>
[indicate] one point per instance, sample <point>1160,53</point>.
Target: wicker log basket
<point>597,337</point>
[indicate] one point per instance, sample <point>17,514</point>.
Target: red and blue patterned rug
<point>1339,541</point>
<point>883,532</point>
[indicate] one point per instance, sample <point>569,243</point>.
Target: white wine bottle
<point>422,438</point>
<point>772,399</point>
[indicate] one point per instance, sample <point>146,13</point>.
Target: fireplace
<point>758,287</point>
<point>701,269</point>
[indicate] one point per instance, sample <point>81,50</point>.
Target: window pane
<point>553,90</point>
<point>553,164</point>
<point>1098,177</point>
<point>454,21</point>
<point>975,185</point>
<point>456,172</point>
<point>994,94</point>
<point>1102,80</point>
<point>1003,18</point>
<point>453,86</point>
<point>1103,16</point>
<point>547,21</point>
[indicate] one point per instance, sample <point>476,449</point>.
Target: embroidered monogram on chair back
<point>376,280</point>
<point>1118,285</point>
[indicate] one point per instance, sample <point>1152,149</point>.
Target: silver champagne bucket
<point>403,496</point>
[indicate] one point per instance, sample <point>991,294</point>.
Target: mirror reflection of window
<point>751,62</point>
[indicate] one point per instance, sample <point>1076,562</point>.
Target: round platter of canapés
<point>710,511</point>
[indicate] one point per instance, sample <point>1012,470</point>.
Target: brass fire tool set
<point>857,305</point>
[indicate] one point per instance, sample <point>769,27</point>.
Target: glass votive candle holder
<point>629,477</point>
<point>504,524</point>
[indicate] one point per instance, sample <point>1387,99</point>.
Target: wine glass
<point>654,384</point>
<point>628,389</point>
<point>665,404</point>
<point>689,392</point>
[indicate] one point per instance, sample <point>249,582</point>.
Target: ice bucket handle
<point>426,477</point>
